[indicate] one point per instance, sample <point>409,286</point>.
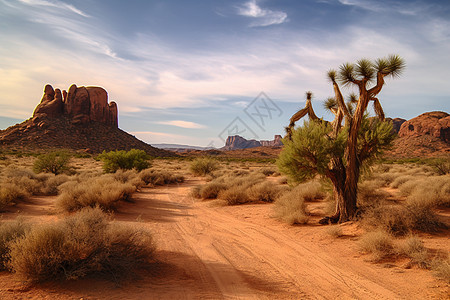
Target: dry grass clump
<point>17,184</point>
<point>80,245</point>
<point>291,207</point>
<point>441,268</point>
<point>103,191</point>
<point>393,219</point>
<point>335,231</point>
<point>9,231</point>
<point>370,193</point>
<point>154,177</point>
<point>378,243</point>
<point>433,190</point>
<point>203,166</point>
<point>414,248</point>
<point>235,188</point>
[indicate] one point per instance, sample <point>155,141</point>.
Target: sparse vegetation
<point>125,160</point>
<point>77,246</point>
<point>378,243</point>
<point>203,166</point>
<point>55,162</point>
<point>153,177</point>
<point>9,231</point>
<point>104,191</point>
<point>291,207</point>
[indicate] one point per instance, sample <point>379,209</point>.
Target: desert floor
<point>208,251</point>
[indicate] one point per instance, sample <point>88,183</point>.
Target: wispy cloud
<point>57,4</point>
<point>262,17</point>
<point>365,4</point>
<point>182,124</point>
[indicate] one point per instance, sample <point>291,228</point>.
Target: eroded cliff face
<point>80,104</point>
<point>436,124</point>
<point>238,142</point>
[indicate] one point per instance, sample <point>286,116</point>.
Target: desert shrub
<point>79,245</point>
<point>414,248</point>
<point>441,165</point>
<point>153,177</point>
<point>422,216</point>
<point>54,162</point>
<point>211,190</point>
<point>433,190</point>
<point>128,176</point>
<point>268,171</point>
<point>264,191</point>
<point>52,183</point>
<point>235,195</point>
<point>104,192</point>
<point>370,193</point>
<point>335,231</point>
<point>379,243</point>
<point>441,268</point>
<point>291,208</point>
<point>125,160</point>
<point>401,180</point>
<point>392,219</point>
<point>10,230</point>
<point>10,194</point>
<point>203,166</point>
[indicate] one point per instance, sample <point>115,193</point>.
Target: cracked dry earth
<point>240,252</point>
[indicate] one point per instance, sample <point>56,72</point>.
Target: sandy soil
<point>214,252</point>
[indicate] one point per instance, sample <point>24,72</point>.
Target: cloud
<point>364,4</point>
<point>56,4</point>
<point>182,124</point>
<point>263,17</point>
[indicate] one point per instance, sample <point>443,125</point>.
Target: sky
<point>193,72</point>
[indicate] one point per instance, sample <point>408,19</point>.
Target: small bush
<point>10,194</point>
<point>104,192</point>
<point>152,177</point>
<point>9,231</point>
<point>441,268</point>
<point>235,195</point>
<point>291,208</point>
<point>335,231</point>
<point>125,160</point>
<point>82,244</point>
<point>268,171</point>
<point>264,191</point>
<point>203,166</point>
<point>211,190</point>
<point>55,162</point>
<point>413,248</point>
<point>423,217</point>
<point>379,243</point>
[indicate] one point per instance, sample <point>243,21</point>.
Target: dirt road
<point>240,252</point>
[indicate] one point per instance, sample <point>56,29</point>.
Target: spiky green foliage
<point>364,69</point>
<point>330,103</point>
<point>125,160</point>
<point>332,75</point>
<point>310,151</point>
<point>396,65</point>
<point>346,73</point>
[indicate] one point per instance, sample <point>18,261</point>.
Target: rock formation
<point>276,142</point>
<point>396,123</point>
<point>238,142</point>
<point>80,104</point>
<point>436,124</point>
<point>80,119</point>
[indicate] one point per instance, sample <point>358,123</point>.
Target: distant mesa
<point>81,104</point>
<point>80,119</point>
<point>238,142</point>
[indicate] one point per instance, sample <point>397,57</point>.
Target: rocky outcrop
<point>436,124</point>
<point>80,104</point>
<point>80,119</point>
<point>276,142</point>
<point>238,142</point>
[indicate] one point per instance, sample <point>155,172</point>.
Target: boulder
<point>436,124</point>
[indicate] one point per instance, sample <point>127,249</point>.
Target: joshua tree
<point>335,150</point>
